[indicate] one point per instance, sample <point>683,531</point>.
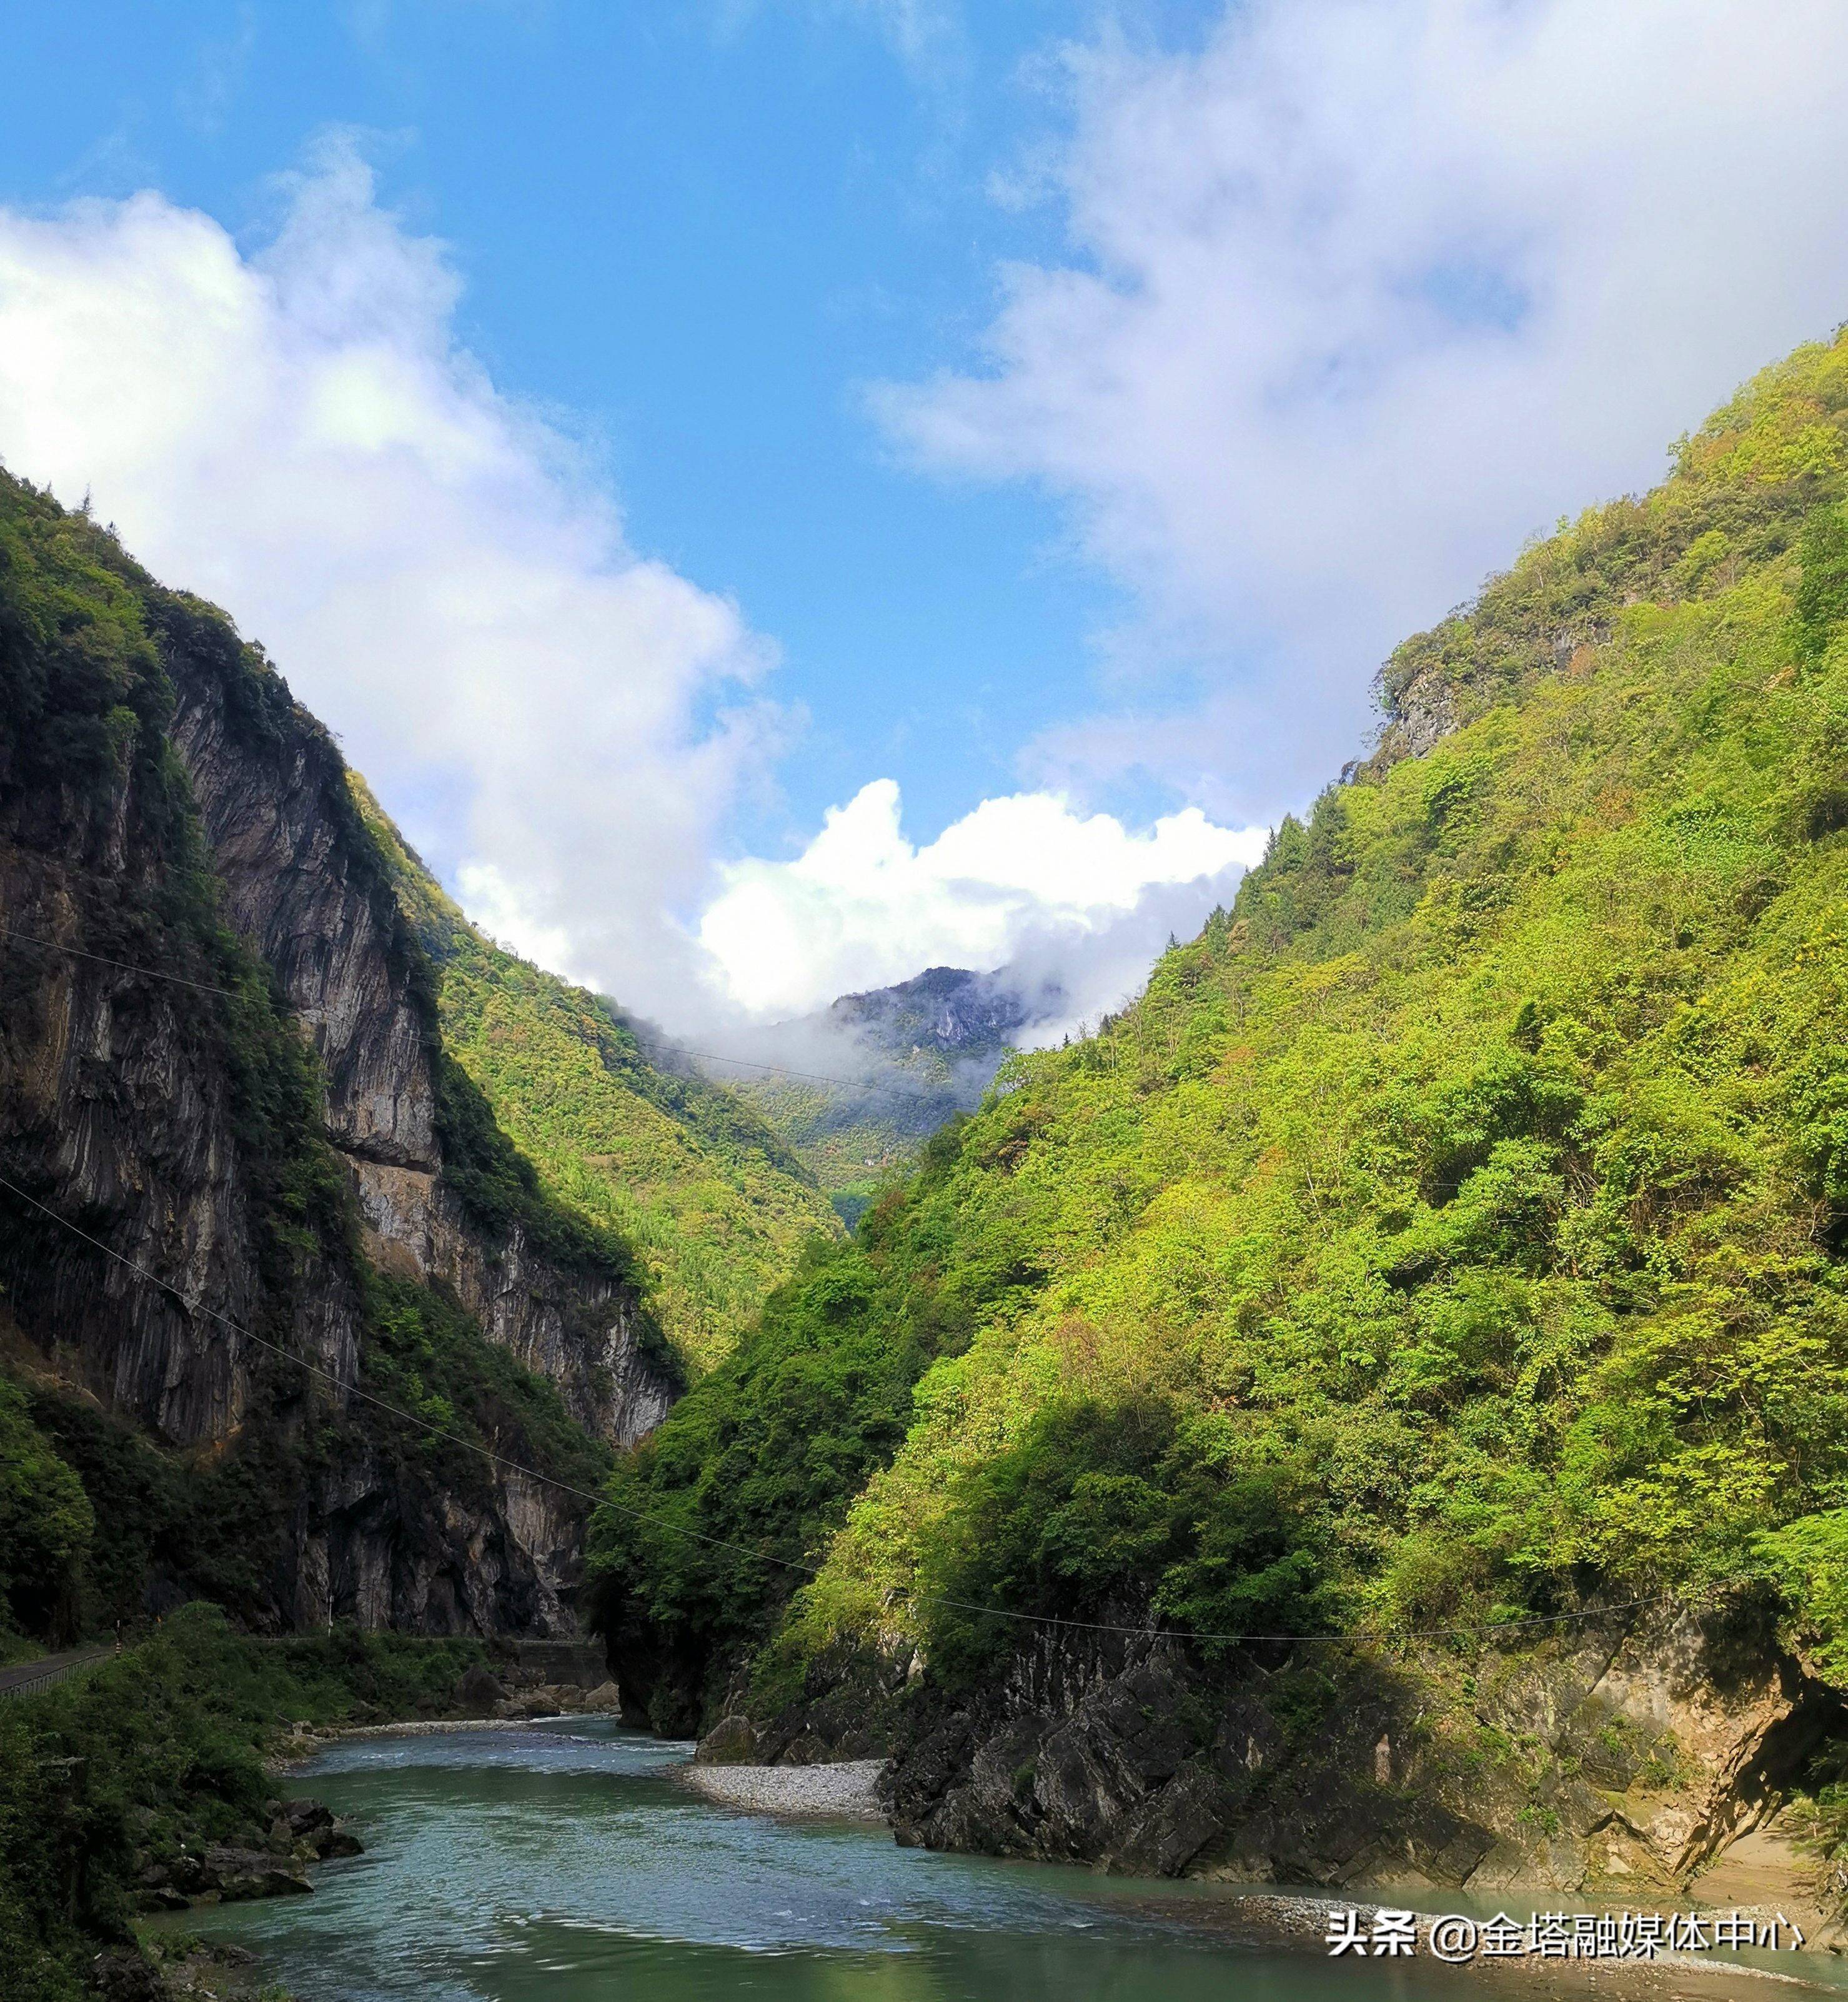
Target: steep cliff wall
<point>219,1059</point>
<point>305,886</point>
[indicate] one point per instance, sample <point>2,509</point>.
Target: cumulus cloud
<point>562,724</point>
<point>1362,293</point>
<point>1023,880</point>
<point>296,433</point>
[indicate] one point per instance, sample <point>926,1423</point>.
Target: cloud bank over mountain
<point>1021,880</point>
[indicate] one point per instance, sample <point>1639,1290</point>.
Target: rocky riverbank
<point>299,1832</point>
<point>1628,1758</point>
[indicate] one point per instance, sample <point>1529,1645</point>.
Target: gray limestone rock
<point>119,1105</point>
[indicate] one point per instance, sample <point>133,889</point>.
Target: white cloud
<point>1020,878</point>
<point>296,435</point>
<point>496,906</point>
<point>1363,293</point>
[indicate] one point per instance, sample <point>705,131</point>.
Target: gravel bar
<point>843,1790</point>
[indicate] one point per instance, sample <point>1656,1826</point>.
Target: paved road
<point>24,1677</point>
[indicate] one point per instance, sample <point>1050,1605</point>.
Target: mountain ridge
<point>1449,1237</point>
<point>948,1009</point>
<point>857,1087</point>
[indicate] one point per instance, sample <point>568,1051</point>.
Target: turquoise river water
<point>564,1863</point>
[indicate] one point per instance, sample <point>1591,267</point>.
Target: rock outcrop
<point>1621,1754</point>
<point>298,1833</point>
<point>207,1276</point>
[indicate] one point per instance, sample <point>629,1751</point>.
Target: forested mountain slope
<point>684,1169</point>
<point>1453,1233</point>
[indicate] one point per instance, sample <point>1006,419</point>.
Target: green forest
<point>923,1001</point>
<point>1452,1233</point>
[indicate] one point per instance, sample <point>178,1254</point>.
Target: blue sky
<point>777,493</point>
<point>696,231</point>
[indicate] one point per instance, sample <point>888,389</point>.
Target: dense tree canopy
<point>1456,1227</point>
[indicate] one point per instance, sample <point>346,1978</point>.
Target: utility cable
<point>867,1085</point>
<point>793,1565</point>
<point>122,965</point>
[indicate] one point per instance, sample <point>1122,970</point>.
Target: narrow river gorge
<point>567,1861</point>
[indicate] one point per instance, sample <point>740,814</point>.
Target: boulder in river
<point>236,1874</point>
<point>310,1828</point>
<point>731,1741</point>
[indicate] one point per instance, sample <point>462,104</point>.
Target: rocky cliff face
<point>1421,702</point>
<point>168,816</point>
<point>305,887</point>
<point>1615,1754</point>
<point>117,1111</point>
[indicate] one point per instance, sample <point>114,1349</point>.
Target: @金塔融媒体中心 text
<point>1383,1934</point>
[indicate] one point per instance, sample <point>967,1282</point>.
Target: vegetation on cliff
<point>717,1207</point>
<point>710,1522</point>
<point>1454,1230</point>
<point>102,838</point>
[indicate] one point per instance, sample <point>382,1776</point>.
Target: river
<point>563,1862</point>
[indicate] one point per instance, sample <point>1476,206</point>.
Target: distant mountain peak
<point>949,1010</point>
<point>855,1086</point>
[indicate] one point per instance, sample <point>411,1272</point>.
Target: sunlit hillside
<point>1454,1230</point>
